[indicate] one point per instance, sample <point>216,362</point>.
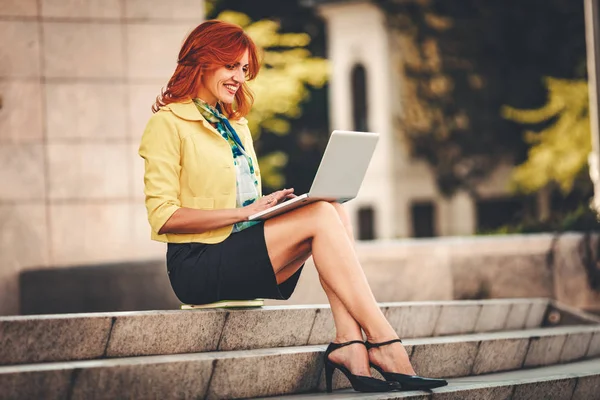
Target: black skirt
<point>238,268</point>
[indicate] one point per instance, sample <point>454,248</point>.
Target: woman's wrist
<point>242,214</point>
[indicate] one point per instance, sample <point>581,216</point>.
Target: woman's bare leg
<point>354,357</point>
<point>347,328</point>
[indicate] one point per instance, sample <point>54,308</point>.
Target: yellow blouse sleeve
<point>161,149</point>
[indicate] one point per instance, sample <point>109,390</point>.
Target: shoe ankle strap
<point>375,345</point>
<point>334,346</point>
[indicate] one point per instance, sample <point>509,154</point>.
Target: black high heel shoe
<point>359,383</point>
<point>407,382</point>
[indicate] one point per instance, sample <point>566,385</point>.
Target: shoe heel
<point>329,376</point>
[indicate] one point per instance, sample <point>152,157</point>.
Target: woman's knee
<point>322,210</point>
<point>344,217</point>
<point>342,212</point>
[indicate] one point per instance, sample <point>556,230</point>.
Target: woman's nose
<point>239,76</point>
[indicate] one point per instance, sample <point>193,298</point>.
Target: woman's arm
<point>189,220</point>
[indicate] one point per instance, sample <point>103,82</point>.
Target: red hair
<point>211,45</point>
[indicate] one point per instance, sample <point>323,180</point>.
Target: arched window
<point>359,98</point>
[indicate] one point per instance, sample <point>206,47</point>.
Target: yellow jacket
<point>189,164</point>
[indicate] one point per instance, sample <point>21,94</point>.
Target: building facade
<point>77,80</point>
<point>399,197</point>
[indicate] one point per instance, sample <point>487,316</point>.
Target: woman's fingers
<point>283,194</point>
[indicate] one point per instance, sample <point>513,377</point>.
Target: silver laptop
<point>340,174</point>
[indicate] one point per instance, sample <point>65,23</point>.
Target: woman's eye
<point>230,66</point>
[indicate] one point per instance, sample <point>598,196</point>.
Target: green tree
<point>559,150</point>
<point>462,61</point>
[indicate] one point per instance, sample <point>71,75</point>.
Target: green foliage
<point>288,69</point>
<point>462,61</point>
<point>559,150</point>
<point>582,219</point>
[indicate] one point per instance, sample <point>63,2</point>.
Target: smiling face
<point>222,83</point>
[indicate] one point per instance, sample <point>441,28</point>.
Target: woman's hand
<point>268,201</point>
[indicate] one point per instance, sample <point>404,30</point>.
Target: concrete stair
<point>577,381</point>
<point>277,351</point>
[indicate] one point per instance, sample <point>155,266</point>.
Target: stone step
<point>288,370</point>
<point>574,381</point>
<point>66,337</point>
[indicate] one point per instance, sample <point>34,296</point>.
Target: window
<point>423,219</point>
<point>359,98</point>
<point>366,223</point>
<point>497,212</point>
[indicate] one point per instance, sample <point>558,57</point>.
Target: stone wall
<point>77,79</point>
<point>561,267</point>
<point>558,267</point>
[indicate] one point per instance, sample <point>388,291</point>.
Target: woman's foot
<point>354,357</point>
<point>391,358</point>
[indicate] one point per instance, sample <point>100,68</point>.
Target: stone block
<point>23,238</point>
<point>141,98</point>
<point>588,388</point>
<point>22,172</point>
<point>535,318</point>
<point>157,9</point>
<point>510,267</point>
<point>150,379</point>
<point>323,330</point>
<point>21,115</point>
<point>268,372</point>
<point>9,292</point>
<point>473,392</point>
<point>267,327</point>
<point>95,9</point>
<point>17,384</point>
<point>97,288</point>
<point>88,171</point>
<point>86,111</point>
<point>43,339</point>
<point>19,49</point>
<point>19,8</point>
<point>570,275</point>
<point>152,53</point>
<point>457,319</point>
<point>82,50</point>
<point>444,360</point>
<point>500,355</point>
<point>23,243</point>
<point>90,233</point>
<point>493,316</point>
<point>137,175</point>
<point>547,389</point>
<point>517,316</point>
<point>164,332</point>
<point>413,265</point>
<point>416,320</point>
<point>544,350</point>
<point>594,349</point>
<point>141,245</point>
<point>575,346</point>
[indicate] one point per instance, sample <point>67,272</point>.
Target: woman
<point>202,181</point>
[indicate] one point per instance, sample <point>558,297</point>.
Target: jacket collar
<point>187,110</point>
